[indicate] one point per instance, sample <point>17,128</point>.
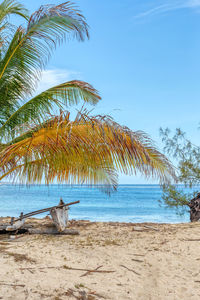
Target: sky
<point>143,57</point>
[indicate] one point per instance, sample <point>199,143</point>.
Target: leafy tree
<point>188,173</point>
<point>36,144</point>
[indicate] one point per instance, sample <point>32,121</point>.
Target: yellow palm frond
<point>88,150</point>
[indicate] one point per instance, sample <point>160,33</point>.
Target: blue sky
<point>143,57</point>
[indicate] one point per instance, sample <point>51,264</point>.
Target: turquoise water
<point>131,203</point>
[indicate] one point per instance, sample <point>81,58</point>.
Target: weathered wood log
<point>195,208</point>
<point>15,226</point>
<point>3,226</point>
<point>23,229</point>
<point>60,216</point>
<point>52,230</point>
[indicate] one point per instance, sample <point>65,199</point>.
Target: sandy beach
<point>131,261</point>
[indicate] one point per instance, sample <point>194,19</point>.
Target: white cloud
<point>193,3</point>
<point>170,5</point>
<point>54,77</point>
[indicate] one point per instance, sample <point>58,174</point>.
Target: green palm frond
<point>8,8</point>
<point>61,18</point>
<point>31,48</point>
<point>12,7</point>
<point>42,105</point>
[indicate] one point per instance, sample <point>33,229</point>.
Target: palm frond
<point>12,7</point>
<point>89,150</point>
<point>8,8</point>
<point>61,18</point>
<point>31,48</point>
<point>39,107</point>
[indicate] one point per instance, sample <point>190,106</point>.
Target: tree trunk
<point>195,208</point>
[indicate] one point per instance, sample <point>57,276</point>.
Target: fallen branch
<point>137,260</point>
<point>130,270</point>
<point>12,284</point>
<point>69,268</point>
<point>90,271</point>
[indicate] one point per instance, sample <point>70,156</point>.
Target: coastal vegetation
<point>38,139</point>
<point>187,156</point>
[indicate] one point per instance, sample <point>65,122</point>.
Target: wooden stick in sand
<point>12,284</point>
<point>130,270</point>
<point>88,271</point>
<point>137,260</point>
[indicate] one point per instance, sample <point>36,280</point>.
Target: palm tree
<point>36,145</point>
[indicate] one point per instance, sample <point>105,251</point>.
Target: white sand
<point>166,263</point>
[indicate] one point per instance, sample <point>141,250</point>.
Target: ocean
<point>130,203</point>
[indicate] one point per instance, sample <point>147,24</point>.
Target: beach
<point>96,198</point>
<point>107,260</point>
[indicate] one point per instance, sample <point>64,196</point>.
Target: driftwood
<point>137,260</point>
<point>91,271</point>
<point>3,226</point>
<point>12,284</point>
<point>43,230</point>
<point>88,271</point>
<point>18,224</point>
<point>130,269</point>
<point>60,216</point>
<point>195,208</point>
